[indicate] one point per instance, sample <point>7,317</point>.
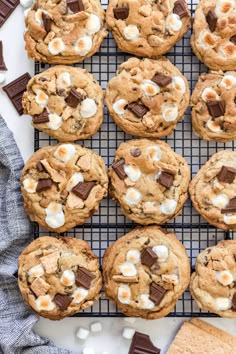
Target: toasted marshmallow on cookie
<point>132,172</point>
<point>74,180</point>
<point>228,50</point>
<point>133,256</point>
<point>128,269</point>
<point>119,106</point>
<point>213,126</point>
<point>144,302</point>
<point>169,112</point>
<point>131,32</point>
<point>68,277</point>
<point>223,303</point>
<point>30,185</point>
<point>93,24</point>
<point>132,196</point>
<point>36,271</point>
<point>207,40</point>
<point>79,295</point>
<point>124,294</point>
<point>65,152</point>
<point>173,23</point>
<point>55,121</point>
<point>220,201</point>
<point>154,152</point>
<point>225,277</point>
<point>56,46</point>
<point>208,94</point>
<point>88,108</point>
<point>230,219</point>
<point>83,45</point>
<point>44,303</point>
<point>162,252</point>
<point>54,215</point>
<point>41,98</point>
<point>179,84</point>
<point>224,7</point>
<point>228,81</point>
<point>150,88</point>
<point>168,206</point>
<point>64,80</point>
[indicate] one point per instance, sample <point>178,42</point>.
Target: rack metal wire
<point>109,223</point>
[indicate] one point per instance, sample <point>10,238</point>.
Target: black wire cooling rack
<point>109,223</point>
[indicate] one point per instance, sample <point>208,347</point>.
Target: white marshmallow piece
<point>119,106</point>
<point>2,78</point>
<point>220,201</point>
<point>228,81</point>
<point>230,219</point>
<point>30,185</point>
<point>150,88</point>
<point>76,178</point>
<point>133,256</point>
<point>131,32</point>
<point>88,350</point>
<point>128,269</point>
<point>224,7</point>
<point>83,45</point>
<point>173,23</point>
<point>93,24</point>
<point>38,16</point>
<point>68,277</point>
<point>168,206</point>
<point>213,126</point>
<point>132,172</point>
<point>41,98</point>
<point>55,121</point>
<point>179,84</point>
<point>208,94</point>
<point>223,303</point>
<point>169,112</point>
<point>128,333</point>
<point>124,294</point>
<point>65,152</point>
<point>56,46</point>
<point>154,152</point>
<point>133,196</point>
<point>145,303</point>
<point>225,277</point>
<point>55,216</point>
<point>44,303</point>
<point>26,3</point>
<point>162,252</point>
<point>96,327</point>
<point>36,271</point>
<point>88,108</point>
<point>228,50</point>
<point>64,80</point>
<point>207,40</point>
<point>82,333</point>
<point>79,295</point>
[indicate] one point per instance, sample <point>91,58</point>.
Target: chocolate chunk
<point>166,179</point>
<point>135,152</point>
<point>142,344</point>
<point>234,302</point>
<point>231,207</point>
<point>40,167</point>
<point>216,108</point>
<point>75,5</point>
<point>148,257</point>
<point>41,118</point>
<point>2,64</point>
<point>74,98</point>
<point>84,278</point>
<point>233,40</point>
<point>118,167</point>
<point>43,185</point>
<point>121,13</point>
<point>6,9</point>
<point>82,189</point>
<point>15,90</point>
<point>162,80</point>
<point>180,8</point>
<point>211,19</point>
<point>138,109</point>
<point>62,301</point>
<point>156,293</point>
<point>226,174</point>
<point>47,22</point>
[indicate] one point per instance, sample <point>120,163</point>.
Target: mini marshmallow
<point>223,303</point>
<point>124,294</point>
<point>36,271</point>
<point>225,277</point>
<point>228,81</point>
<point>30,185</point>
<point>208,94</point>
<point>68,277</point>
<point>131,32</point>
<point>96,327</point>
<point>145,303</point>
<point>74,180</point>
<point>83,45</point>
<point>133,256</point>
<point>220,201</point>
<point>168,206</point>
<point>131,320</point>
<point>79,295</point>
<point>82,333</point>
<point>65,152</point>
<point>88,108</point>
<point>179,84</point>
<point>128,332</point>
<point>224,7</point>
<point>207,40</point>
<point>55,121</point>
<point>119,106</point>
<point>93,24</point>
<point>44,303</point>
<point>26,3</point>
<point>173,23</point>
<point>133,196</point>
<point>128,269</point>
<point>56,46</point>
<point>162,252</point>
<point>150,88</point>
<point>54,215</point>
<point>169,112</point>
<point>41,98</point>
<point>64,80</point>
<point>228,50</point>
<point>88,350</point>
<point>154,152</point>
<point>132,172</point>
<point>2,78</point>
<point>213,126</point>
<point>230,219</point>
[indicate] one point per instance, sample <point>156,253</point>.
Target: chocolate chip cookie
<point>213,106</point>
<point>59,277</point>
<point>149,181</point>
<point>62,186</point>
<point>214,34</point>
<point>64,31</point>
<point>145,272</point>
<point>65,102</point>
<point>147,97</point>
<point>213,190</point>
<point>147,28</point>
<point>213,283</point>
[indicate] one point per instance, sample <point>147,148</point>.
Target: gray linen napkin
<point>16,320</point>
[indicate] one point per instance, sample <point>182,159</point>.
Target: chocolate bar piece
<point>138,109</point>
<point>162,80</point>
<point>62,301</point>
<point>43,185</point>
<point>233,40</point>
<point>121,13</point>
<point>142,344</point>
<point>211,19</point>
<point>75,5</point>
<point>118,167</point>
<point>180,8</point>
<point>82,189</point>
<point>84,278</point>
<point>157,293</point>
<point>74,98</point>
<point>148,257</point>
<point>2,64</point>
<point>226,174</point>
<point>230,208</point>
<point>6,9</point>
<point>216,108</point>
<point>166,179</point>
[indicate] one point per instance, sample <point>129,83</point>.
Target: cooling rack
<point>109,224</point>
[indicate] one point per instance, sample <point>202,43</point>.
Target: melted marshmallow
<point>30,185</point>
<point>74,180</point>
<point>133,196</point>
<point>124,294</point>
<point>88,108</point>
<point>54,215</point>
<point>65,152</point>
<point>119,106</point>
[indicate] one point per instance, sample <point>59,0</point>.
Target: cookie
<point>145,272</point>
<point>213,282</point>
<point>147,28</point>
<point>62,186</point>
<point>65,102</point>
<point>213,190</point>
<point>149,181</point>
<point>214,34</point>
<point>59,277</point>
<point>147,97</point>
<point>213,106</point>
<point>64,31</point>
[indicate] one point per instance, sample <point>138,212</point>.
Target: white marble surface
<point>63,333</point>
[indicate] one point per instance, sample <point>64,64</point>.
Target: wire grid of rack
<point>109,223</point>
